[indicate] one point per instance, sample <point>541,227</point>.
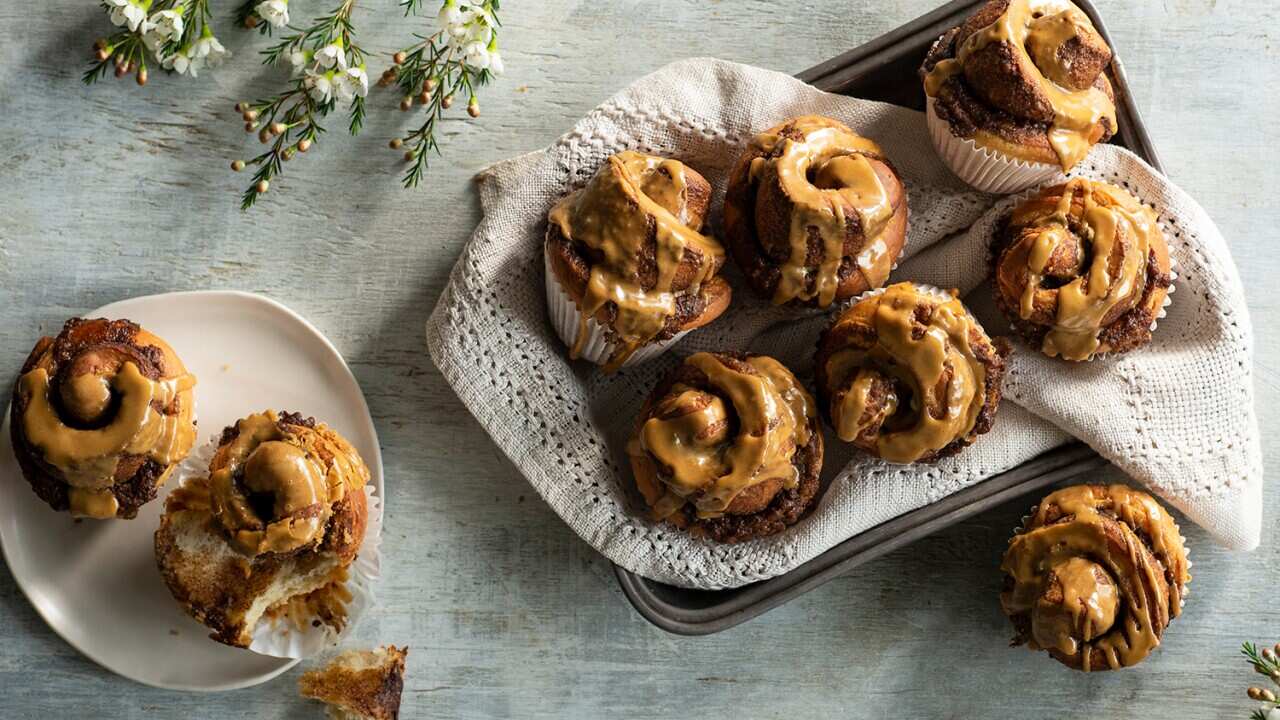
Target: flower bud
<point>430,84</point>
<point>237,165</point>
<point>121,70</point>
<point>241,107</point>
<point>395,143</point>
<point>424,97</point>
<point>446,102</point>
<point>142,76</point>
<point>250,126</point>
<point>261,187</point>
<point>101,54</point>
<point>251,20</point>
<point>408,157</point>
<point>100,44</point>
<point>406,103</point>
<point>264,135</point>
<point>473,108</point>
<point>133,65</point>
<point>398,58</point>
<point>250,115</point>
<point>304,145</point>
<point>1255,693</point>
<point>277,128</point>
<point>1268,654</point>
<point>1268,695</point>
<point>286,154</point>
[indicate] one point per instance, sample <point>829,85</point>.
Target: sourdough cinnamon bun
<point>1081,268</point>
<point>728,446</point>
<point>101,415</point>
<point>269,531</point>
<point>1025,81</point>
<point>814,213</point>
<point>628,268</point>
<point>908,374</point>
<point>1095,576</point>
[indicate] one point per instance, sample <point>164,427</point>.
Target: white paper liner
<point>981,168</point>
<point>280,638</point>
<point>566,317</point>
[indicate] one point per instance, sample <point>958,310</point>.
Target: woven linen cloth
<point>1176,415</point>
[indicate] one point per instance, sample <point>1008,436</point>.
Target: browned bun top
<point>1081,268</point>
<point>628,248</point>
<point>728,446</point>
<point>1026,78</point>
<point>101,413</point>
<point>814,213</point>
<point>1095,576</point>
<point>908,374</point>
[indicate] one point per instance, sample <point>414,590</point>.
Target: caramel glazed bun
<point>1095,576</point>
<point>908,375</point>
<point>728,446</point>
<point>101,415</point>
<point>1080,269</point>
<point>814,213</point>
<point>1025,78</point>
<point>629,251</point>
<point>271,530</point>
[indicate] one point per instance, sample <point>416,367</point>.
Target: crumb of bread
<point>359,684</point>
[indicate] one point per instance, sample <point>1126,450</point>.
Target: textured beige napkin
<point>1176,415</point>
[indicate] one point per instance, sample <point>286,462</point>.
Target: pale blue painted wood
<point>117,191</point>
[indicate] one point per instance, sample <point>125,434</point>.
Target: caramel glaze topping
<point>821,175</point>
<point>1037,33</point>
<point>1087,258</point>
<point>274,484</point>
<point>114,411</point>
<point>635,197</point>
<point>919,386</point>
<point>691,435</point>
<point>1096,577</point>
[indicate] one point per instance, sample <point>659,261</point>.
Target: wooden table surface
<point>117,191</point>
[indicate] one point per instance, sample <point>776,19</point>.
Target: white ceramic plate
<point>96,582</point>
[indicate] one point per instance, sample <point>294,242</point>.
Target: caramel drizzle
<point>1036,42</point>
<point>821,174</point>
<point>87,458</point>
<point>264,458</point>
<point>611,215</point>
<point>1094,579</point>
<point>705,466</point>
<point>918,359</point>
<point>1119,224</point>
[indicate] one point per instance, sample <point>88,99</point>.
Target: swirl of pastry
<point>628,250</point>
<point>1025,78</point>
<point>814,213</point>
<point>728,446</point>
<point>1081,268</point>
<point>1094,576</point>
<point>908,374</point>
<point>101,415</point>
<point>271,530</point>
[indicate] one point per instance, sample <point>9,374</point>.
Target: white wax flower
<point>450,15</point>
<point>209,51</point>
<point>331,55</point>
<point>350,83</point>
<point>476,56</point>
<point>495,63</point>
<point>126,12</point>
<point>183,63</point>
<point>275,12</point>
<point>298,61</point>
<point>319,86</point>
<point>161,28</point>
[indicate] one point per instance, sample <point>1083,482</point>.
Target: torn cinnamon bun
<point>908,375</point>
<point>728,446</point>
<point>628,269</point>
<point>101,415</point>
<point>1025,81</point>
<point>270,531</point>
<point>1094,576</point>
<point>1081,268</point>
<point>814,213</point>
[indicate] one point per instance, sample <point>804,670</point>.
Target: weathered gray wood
<point>117,191</point>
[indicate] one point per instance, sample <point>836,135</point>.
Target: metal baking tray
<point>885,69</point>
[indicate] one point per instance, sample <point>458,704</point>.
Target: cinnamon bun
<point>908,374</point>
<point>101,415</point>
<point>628,268</point>
<point>1081,268</point>
<point>814,213</point>
<point>1095,576</point>
<point>270,530</point>
<point>1025,81</point>
<point>728,446</point>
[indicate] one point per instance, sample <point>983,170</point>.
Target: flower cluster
<point>1267,663</point>
<point>460,56</point>
<point>176,34</point>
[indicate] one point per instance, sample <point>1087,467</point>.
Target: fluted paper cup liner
<point>566,317</point>
<point>278,637</point>
<point>981,168</point>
